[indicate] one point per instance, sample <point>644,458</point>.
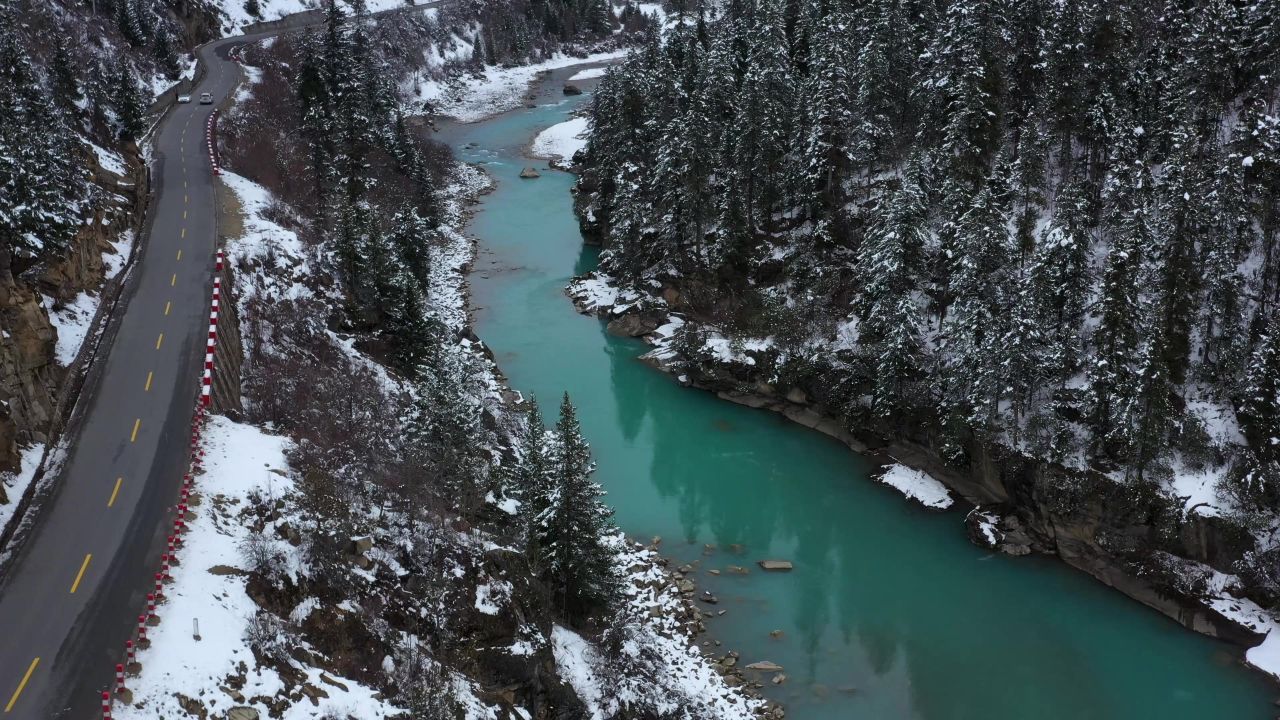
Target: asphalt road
<point>84,571</point>
<point>70,598</point>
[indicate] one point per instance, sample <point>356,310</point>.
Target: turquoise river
<point>890,612</point>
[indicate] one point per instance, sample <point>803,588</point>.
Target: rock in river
<point>776,565</point>
<point>529,173</point>
<point>572,90</point>
<point>765,666</point>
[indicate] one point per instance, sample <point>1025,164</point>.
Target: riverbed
<point>890,612</point>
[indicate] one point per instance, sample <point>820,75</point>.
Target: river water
<point>890,612</point>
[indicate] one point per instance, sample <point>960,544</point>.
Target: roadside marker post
<point>106,706</point>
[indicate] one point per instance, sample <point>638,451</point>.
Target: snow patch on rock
<point>917,485</point>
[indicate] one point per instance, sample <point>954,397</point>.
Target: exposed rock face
<point>28,374</point>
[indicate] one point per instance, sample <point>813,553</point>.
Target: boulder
<point>765,666</point>
<point>360,545</point>
<point>776,565</point>
<point>572,89</point>
<point>529,173</point>
<point>636,324</point>
<point>242,713</point>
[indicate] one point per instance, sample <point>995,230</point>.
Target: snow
<point>1199,491</point>
<point>594,292</point>
<point>917,485</point>
<point>114,262</point>
<point>496,89</point>
<point>110,160</point>
<point>491,596</point>
<point>16,484</point>
<point>1266,657</point>
<point>72,324</point>
<point>276,9</point>
<point>588,74</point>
<point>239,462</point>
<point>575,660</point>
<point>562,140</point>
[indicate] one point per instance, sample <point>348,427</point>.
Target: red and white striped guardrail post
<point>119,679</point>
<point>106,706</point>
<point>152,618</point>
<point>142,632</point>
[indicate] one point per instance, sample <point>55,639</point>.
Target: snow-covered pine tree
<point>1120,308</point>
<point>530,481</point>
<point>977,321</point>
<point>445,425</point>
<point>1259,413</point>
<point>41,183</point>
<point>890,266</point>
<point>128,102</point>
<point>573,530</point>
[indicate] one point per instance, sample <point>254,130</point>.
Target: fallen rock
<point>737,570</point>
<point>765,666</point>
<point>708,598</point>
<point>775,634</point>
<point>529,173</point>
<point>779,678</point>
<point>713,571</point>
<point>572,90</point>
<point>360,545</point>
<point>226,570</point>
<point>776,565</point>
<point>242,713</point>
<point>636,324</point>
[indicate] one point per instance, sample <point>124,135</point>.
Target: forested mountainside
<point>1035,227</point>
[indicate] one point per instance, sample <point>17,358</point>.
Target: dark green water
<point>890,612</point>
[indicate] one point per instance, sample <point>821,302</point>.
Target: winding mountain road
<point>82,573</point>
<point>70,595</point>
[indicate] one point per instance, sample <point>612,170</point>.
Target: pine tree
<point>1115,340</point>
<point>42,185</point>
<point>128,102</point>
<point>977,320</point>
<point>890,266</point>
<point>63,75</point>
<point>530,480</point>
<point>445,426</point>
<point>574,530</point>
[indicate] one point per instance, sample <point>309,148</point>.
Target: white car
<point>206,99</point>
<point>184,98</point>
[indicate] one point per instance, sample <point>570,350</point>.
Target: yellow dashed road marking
<point>115,492</point>
<point>80,575</point>
<point>133,437</point>
<point>22,685</point>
